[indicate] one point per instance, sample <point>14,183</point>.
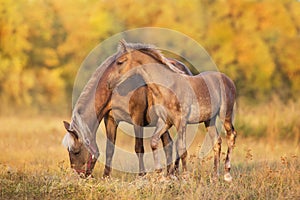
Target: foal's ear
<point>123,45</point>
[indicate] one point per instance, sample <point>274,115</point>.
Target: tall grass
<point>253,180</point>
<point>265,163</point>
<point>273,120</point>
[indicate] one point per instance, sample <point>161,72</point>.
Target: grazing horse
<point>179,100</point>
<point>95,103</point>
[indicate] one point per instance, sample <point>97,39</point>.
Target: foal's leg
<point>230,136</point>
<point>168,148</point>
<point>181,147</point>
<point>161,127</point>
<point>217,154</point>
<point>215,142</point>
<point>181,152</point>
<point>111,131</point>
<point>139,148</point>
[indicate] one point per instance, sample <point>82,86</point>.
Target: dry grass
<point>273,120</point>
<point>34,165</point>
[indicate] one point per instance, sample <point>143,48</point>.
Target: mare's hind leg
<point>111,131</point>
<point>214,142</point>
<point>139,148</point>
<point>230,136</point>
<point>168,148</point>
<point>177,161</point>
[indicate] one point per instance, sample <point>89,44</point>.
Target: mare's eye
<point>76,153</point>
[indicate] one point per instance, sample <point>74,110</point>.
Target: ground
<point>34,165</point>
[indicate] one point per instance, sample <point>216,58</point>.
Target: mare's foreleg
<point>177,161</point>
<point>139,148</point>
<point>111,132</point>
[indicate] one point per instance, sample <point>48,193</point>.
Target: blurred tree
<point>43,43</point>
<point>13,58</point>
<point>85,26</point>
<point>42,46</point>
<point>287,56</point>
<point>245,38</point>
<point>44,62</point>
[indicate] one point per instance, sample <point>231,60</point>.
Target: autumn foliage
<point>42,43</point>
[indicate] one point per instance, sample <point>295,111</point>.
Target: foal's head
<point>81,159</point>
<point>131,58</point>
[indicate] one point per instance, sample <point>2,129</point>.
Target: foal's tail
<point>228,99</point>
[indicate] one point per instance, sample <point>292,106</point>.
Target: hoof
<point>170,171</point>
<point>227,177</point>
<point>172,177</point>
<point>82,175</point>
<point>158,170</point>
<point>105,176</point>
<point>186,175</point>
<point>142,173</point>
<point>89,176</point>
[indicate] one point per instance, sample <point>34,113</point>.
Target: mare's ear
<point>123,45</point>
<point>72,132</point>
<point>67,125</point>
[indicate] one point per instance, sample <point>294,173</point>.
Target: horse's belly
<point>200,114</point>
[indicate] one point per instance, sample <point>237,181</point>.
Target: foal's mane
<point>152,51</point>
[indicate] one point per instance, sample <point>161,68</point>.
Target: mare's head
<point>81,160</point>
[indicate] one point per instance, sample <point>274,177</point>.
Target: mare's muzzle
<point>84,173</point>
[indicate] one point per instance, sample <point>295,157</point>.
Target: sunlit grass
<point>274,120</point>
<point>34,165</point>
<point>253,180</point>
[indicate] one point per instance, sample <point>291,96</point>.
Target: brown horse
<point>179,99</point>
<point>95,103</point>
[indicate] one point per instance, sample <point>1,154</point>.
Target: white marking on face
<point>68,141</point>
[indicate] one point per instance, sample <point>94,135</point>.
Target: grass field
<point>34,165</point>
